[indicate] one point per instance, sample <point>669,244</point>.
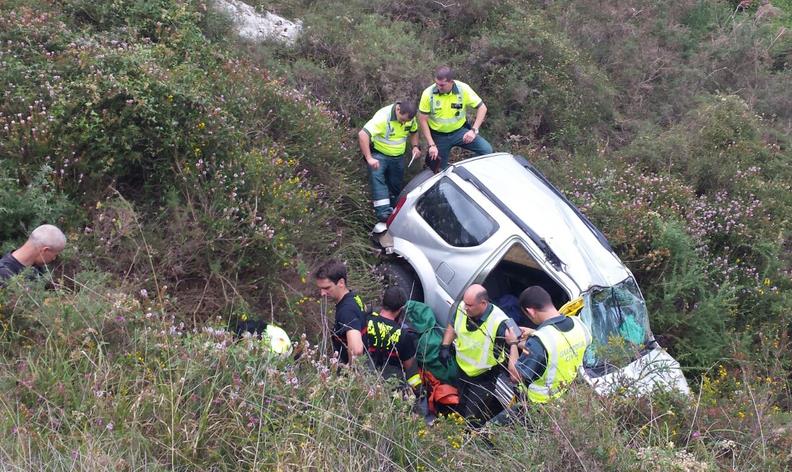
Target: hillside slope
<point>199,176</point>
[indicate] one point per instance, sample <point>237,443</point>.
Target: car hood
<point>585,259</point>
<point>654,370</point>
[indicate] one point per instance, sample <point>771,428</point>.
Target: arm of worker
<point>481,112</point>
<point>423,122</point>
<point>525,332</point>
<point>505,332</point>
<point>514,353</point>
<point>414,145</point>
<point>354,341</point>
<point>445,348</point>
<point>449,335</point>
<point>364,140</point>
<point>533,361</point>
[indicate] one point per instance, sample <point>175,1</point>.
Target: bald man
<point>41,248</point>
<point>479,334</point>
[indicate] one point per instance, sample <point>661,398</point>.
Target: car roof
<point>585,254</point>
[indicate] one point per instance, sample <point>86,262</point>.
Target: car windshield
<point>619,325</point>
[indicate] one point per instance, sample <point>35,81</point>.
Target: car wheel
<point>420,178</point>
<point>401,275</point>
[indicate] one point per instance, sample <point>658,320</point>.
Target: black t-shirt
<point>348,316</point>
<point>388,341</point>
<point>9,267</point>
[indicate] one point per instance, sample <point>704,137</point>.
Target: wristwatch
<point>475,130</point>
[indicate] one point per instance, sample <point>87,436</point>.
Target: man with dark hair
<point>40,249</point>
<point>548,360</point>
<point>443,118</point>
<point>390,342</point>
<point>383,141</point>
<point>479,329</point>
<point>331,279</point>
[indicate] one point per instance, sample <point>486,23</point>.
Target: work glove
<point>445,354</point>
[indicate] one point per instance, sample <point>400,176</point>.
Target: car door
<point>457,237</point>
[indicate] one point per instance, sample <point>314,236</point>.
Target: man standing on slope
<point>331,279</point>
<point>383,141</point>
<point>443,118</point>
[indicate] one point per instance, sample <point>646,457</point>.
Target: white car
<point>497,221</point>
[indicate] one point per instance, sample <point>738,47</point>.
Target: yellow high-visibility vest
<point>388,135</point>
<point>475,350</point>
<point>447,112</point>
<point>564,358</point>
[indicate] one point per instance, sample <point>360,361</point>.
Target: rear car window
<point>455,216</point>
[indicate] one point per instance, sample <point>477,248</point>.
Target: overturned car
<point>497,221</point>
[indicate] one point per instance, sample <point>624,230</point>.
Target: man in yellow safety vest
<point>479,330</point>
<point>443,118</point>
<point>551,357</point>
<point>383,141</point>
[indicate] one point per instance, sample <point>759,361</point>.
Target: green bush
<point>536,84</point>
<point>361,62</point>
<point>26,205</point>
<point>716,141</point>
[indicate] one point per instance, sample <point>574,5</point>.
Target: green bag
<point>430,336</point>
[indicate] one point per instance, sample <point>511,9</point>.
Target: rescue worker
<point>389,340</point>
<point>479,329</point>
<point>550,358</point>
<point>331,279</point>
<point>443,118</point>
<point>383,141</point>
<point>41,248</point>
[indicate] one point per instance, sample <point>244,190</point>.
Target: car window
<point>619,324</point>
<point>454,215</point>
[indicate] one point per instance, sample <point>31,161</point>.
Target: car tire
<point>419,178</point>
<point>400,274</point>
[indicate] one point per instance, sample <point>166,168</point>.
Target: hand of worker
<point>514,374</point>
<point>433,153</point>
<point>468,137</point>
<point>416,152</point>
<point>526,332</point>
<point>445,354</point>
<point>373,163</point>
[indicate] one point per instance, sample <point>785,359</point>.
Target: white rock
<point>259,27</point>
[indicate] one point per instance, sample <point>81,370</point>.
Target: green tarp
<point>430,337</point>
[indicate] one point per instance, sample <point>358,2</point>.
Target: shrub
<point>26,205</point>
<point>535,83</point>
<point>361,62</point>
<point>717,140</point>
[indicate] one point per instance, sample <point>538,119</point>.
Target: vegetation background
<point>199,177</point>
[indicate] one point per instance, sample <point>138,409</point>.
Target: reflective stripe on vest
<point>445,125</point>
<point>387,140</point>
<point>475,350</point>
<point>564,357</point>
<point>359,302</point>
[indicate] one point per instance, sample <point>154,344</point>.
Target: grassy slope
<point>209,186</point>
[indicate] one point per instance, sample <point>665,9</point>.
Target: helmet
<point>277,340</point>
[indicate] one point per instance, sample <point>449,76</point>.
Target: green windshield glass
<point>619,325</point>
